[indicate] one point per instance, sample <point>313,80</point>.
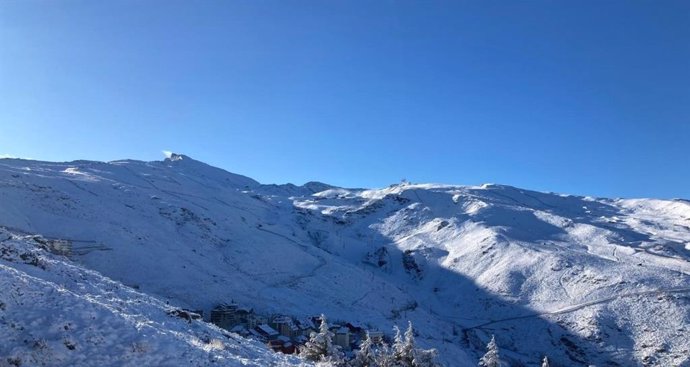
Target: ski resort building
<point>376,336</point>
<point>342,338</point>
<point>286,326</point>
<point>230,315</point>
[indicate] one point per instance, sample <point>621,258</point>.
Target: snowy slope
<point>584,280</point>
<point>54,313</point>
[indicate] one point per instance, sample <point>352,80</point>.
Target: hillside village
<point>285,334</point>
<point>315,340</point>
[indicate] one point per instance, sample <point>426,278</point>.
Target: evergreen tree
<point>365,356</point>
<point>406,354</point>
<point>545,362</point>
<point>320,347</point>
<point>410,345</point>
<point>384,356</point>
<point>491,358</point>
<point>403,352</point>
<point>397,347</point>
<point>404,348</point>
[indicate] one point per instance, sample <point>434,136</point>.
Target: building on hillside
<point>259,319</point>
<point>342,338</point>
<point>276,345</point>
<point>282,324</point>
<point>283,345</point>
<point>357,332</point>
<point>247,317</point>
<point>225,316</point>
<point>230,315</point>
<point>306,327</point>
<point>266,332</point>
<point>376,336</point>
<point>286,326</point>
<point>289,348</point>
<point>355,328</point>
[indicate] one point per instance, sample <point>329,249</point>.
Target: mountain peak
<point>184,163</point>
<point>176,157</point>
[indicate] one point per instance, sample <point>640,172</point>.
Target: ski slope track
<point>586,281</point>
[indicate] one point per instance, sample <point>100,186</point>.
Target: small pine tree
<point>384,356</point>
<point>403,353</point>
<point>491,358</point>
<point>320,346</point>
<point>545,362</point>
<point>397,349</point>
<point>408,347</point>
<point>406,354</point>
<point>365,356</point>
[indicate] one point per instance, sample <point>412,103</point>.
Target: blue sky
<point>584,97</point>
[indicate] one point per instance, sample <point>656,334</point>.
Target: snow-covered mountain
<point>54,313</point>
<point>586,281</point>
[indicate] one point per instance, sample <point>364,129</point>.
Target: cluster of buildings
<point>284,333</point>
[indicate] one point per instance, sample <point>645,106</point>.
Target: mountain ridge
<point>450,258</point>
<point>177,157</point>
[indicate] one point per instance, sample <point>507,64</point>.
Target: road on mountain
<point>580,306</point>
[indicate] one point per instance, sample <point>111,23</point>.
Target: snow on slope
<point>584,280</point>
<point>54,313</point>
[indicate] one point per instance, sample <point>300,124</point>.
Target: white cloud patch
<point>167,153</point>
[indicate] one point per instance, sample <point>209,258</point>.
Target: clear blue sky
<point>584,97</point>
